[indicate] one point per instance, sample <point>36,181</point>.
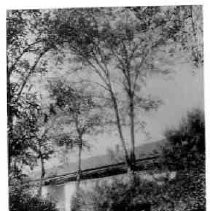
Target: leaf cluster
<point>185,192</point>
<point>186,143</point>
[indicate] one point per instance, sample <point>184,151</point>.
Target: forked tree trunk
<point>119,127</point>
<point>107,82</point>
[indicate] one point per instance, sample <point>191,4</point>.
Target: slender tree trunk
<point>42,171</point>
<point>42,177</point>
<point>80,145</point>
<point>127,160</point>
<point>132,133</point>
<point>108,85</point>
<point>79,164</point>
<point>193,24</point>
<point>9,132</point>
<point>9,119</point>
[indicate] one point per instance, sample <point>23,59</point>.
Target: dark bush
<point>185,148</point>
<point>184,193</point>
<point>20,199</point>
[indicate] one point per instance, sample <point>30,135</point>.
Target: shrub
<point>185,149</point>
<point>114,195</point>
<point>21,200</point>
<point>185,192</point>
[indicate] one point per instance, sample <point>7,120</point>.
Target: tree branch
<point>31,71</point>
<point>19,57</point>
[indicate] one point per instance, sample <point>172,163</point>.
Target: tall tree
<point>79,116</point>
<point>28,42</point>
<point>119,48</point>
<point>43,145</point>
<point>24,134</point>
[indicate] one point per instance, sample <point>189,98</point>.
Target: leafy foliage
<point>188,19</point>
<point>76,110</point>
<point>26,47</point>
<point>185,192</point>
<point>20,199</point>
<point>186,144</point>
<point>24,41</point>
<point>79,117</point>
<point>23,134</point>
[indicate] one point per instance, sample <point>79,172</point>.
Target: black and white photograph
<point>105,108</point>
